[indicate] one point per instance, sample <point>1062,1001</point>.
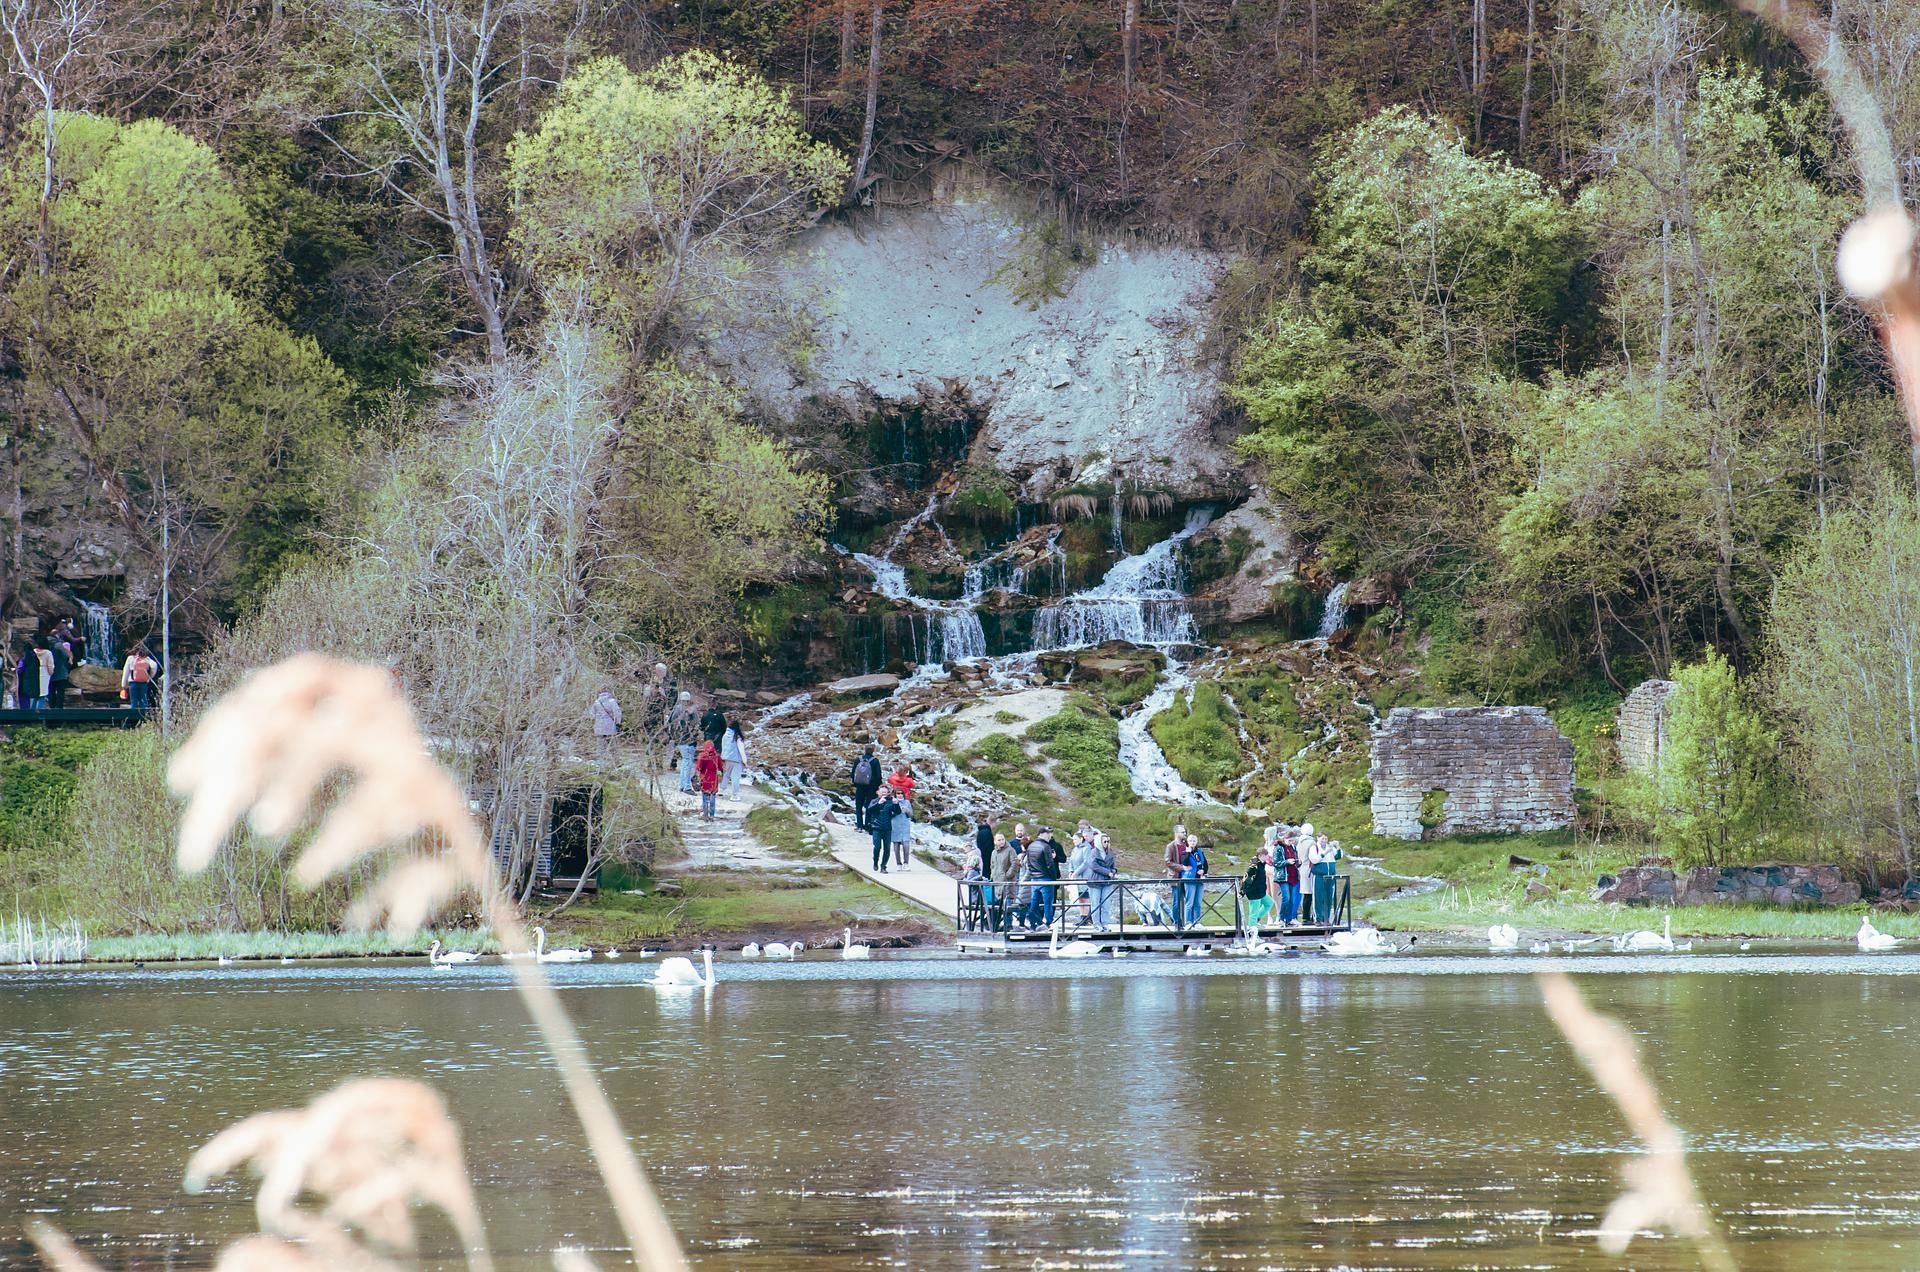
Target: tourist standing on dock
<point>902,830</point>
<point>706,772</point>
<point>1004,870</point>
<point>43,665</point>
<point>865,777</point>
<point>1102,869</point>
<point>136,677</point>
<point>1286,873</point>
<point>733,754</point>
<point>683,730</point>
<point>606,721</point>
<point>1194,870</point>
<point>1041,876</point>
<point>1079,864</point>
<point>1257,888</point>
<point>1325,868</point>
<point>1175,862</point>
<point>983,836</point>
<point>1303,839</point>
<point>880,827</point>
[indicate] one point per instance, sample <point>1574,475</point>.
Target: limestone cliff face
<point>1105,381</point>
<point>74,540</point>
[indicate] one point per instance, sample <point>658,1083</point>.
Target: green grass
<point>727,905</point>
<point>781,829</point>
<point>163,947</point>
<point>1200,739</point>
<point>1085,749</point>
<point>39,769</point>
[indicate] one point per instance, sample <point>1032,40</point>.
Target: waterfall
<point>1141,600</point>
<point>938,631</point>
<point>1119,535</point>
<point>1334,616</point>
<point>98,621</point>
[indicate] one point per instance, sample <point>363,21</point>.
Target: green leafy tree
<point>1844,667</point>
<point>1716,791</point>
<point>148,339</point>
<point>1380,397</point>
<point>656,191</point>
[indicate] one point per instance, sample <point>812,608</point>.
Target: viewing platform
<point>1139,914</point>
<point>109,717</point>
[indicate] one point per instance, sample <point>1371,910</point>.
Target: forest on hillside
<point>382,326</point>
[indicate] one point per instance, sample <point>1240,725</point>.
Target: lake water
<point>939,1113</point>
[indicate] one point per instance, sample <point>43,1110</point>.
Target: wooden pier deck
<point>1138,915</point>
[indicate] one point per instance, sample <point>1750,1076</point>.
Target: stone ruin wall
<point>1641,725</point>
<point>1504,769</point>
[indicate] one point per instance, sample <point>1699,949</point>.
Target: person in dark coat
<point>880,826</point>
<point>713,725</point>
<point>865,777</point>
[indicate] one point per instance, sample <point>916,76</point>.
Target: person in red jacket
<point>902,782</point>
<point>706,774</point>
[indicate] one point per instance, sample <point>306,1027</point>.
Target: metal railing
<point>1116,907</point>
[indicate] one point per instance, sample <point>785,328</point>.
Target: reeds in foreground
<point>1660,1192</point>
<point>271,752</point>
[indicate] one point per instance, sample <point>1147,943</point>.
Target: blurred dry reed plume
<point>271,752</point>
<point>1660,1193</point>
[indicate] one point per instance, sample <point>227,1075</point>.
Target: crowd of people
<point>39,675</point>
<point>1030,880</point>
<point>707,748</point>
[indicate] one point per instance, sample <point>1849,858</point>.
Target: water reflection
<point>987,1113</point>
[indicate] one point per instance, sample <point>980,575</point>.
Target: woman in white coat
<point>733,760</point>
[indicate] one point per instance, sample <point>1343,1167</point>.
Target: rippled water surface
<point>936,1113</point>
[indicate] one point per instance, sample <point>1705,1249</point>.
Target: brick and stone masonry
<point>1502,769</point>
<point>1642,725</point>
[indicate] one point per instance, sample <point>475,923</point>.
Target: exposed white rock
<point>1273,557</point>
<point>1107,378</point>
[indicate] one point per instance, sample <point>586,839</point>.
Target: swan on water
<point>1871,938</point>
<point>1253,947</point>
<point>1540,947</point>
<point>780,949</point>
<point>678,973</point>
<point>1360,941</point>
<point>224,960</point>
<point>1503,936</point>
<point>613,951</point>
<point>750,950</point>
<point>1643,941</point>
<point>451,956</point>
<point>544,955</point>
<point>1072,949</point>
<point>286,959</point>
<point>1198,951</point>
<point>849,950</point>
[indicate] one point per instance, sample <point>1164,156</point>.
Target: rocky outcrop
<point>1726,885</point>
<point>74,539</point>
<point>1641,725</point>
<point>1440,771</point>
<point>1255,545</point>
<point>1100,377</point>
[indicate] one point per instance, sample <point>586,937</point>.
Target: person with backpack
<point>136,677</point>
<point>880,827</point>
<point>62,670</point>
<point>865,778</point>
<point>1256,888</point>
<point>1193,870</point>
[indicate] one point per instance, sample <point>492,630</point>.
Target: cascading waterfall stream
<point>1142,600</point>
<point>1146,764</point>
<point>98,621</point>
<point>940,632</point>
<point>1334,616</point>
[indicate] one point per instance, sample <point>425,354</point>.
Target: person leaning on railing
<point>1102,869</point>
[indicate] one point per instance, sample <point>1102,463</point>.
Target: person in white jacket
<point>606,721</point>
<point>733,760</point>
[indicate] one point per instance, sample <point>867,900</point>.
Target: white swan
<point>451,956</point>
<point>613,951</point>
<point>223,960</point>
<point>286,960</point>
<point>1503,936</point>
<point>1198,951</point>
<point>678,973</point>
<point>1253,947</point>
<point>1072,949</point>
<point>1540,947</point>
<point>1644,941</point>
<point>1360,941</point>
<point>750,950</point>
<point>1872,938</point>
<point>780,949</point>
<point>542,954</point>
<point>849,950</point>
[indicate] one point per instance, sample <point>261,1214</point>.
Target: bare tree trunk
<point>848,25</point>
<point>1129,54</point>
<point>1526,83</point>
<point>873,102</point>
<point>1313,39</point>
<point>1477,23</point>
